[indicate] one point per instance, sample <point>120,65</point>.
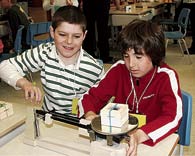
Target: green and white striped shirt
<point>60,83</point>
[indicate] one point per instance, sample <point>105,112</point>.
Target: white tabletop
<point>60,138</point>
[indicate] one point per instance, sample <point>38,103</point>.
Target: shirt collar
<point>76,66</point>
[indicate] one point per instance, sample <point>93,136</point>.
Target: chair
<point>100,62</point>
<point>17,42</point>
<point>37,33</point>
<point>180,34</point>
<point>184,130</point>
<point>35,30</point>
<point>17,45</point>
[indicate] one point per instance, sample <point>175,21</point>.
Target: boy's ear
<point>51,30</point>
<point>85,33</point>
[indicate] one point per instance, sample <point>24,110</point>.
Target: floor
<point>174,58</point>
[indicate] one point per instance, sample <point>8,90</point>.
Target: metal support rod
<point>36,125</point>
<point>109,139</point>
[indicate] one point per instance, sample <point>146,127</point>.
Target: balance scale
<point>42,131</point>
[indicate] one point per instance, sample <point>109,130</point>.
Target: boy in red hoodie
<point>142,81</point>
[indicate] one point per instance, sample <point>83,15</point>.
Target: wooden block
<point>112,129</point>
<point>6,110</point>
<point>114,114</point>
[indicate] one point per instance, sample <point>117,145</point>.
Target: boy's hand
<point>31,91</point>
<point>136,137</point>
<point>90,115</point>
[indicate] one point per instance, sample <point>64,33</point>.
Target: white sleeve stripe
<point>163,130</point>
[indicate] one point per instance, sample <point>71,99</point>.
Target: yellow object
<point>75,105</point>
<point>141,119</point>
<point>34,83</point>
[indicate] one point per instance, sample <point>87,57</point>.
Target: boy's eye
<point>62,34</point>
<point>138,56</point>
<point>77,36</point>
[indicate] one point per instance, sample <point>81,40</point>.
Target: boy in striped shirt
<point>66,70</point>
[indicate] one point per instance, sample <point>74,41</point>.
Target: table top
<point>149,4</point>
<point>61,135</point>
<point>132,11</point>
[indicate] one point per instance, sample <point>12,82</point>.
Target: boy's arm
<point>9,73</point>
<point>11,76</point>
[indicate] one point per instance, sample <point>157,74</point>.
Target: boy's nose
<point>69,39</point>
<point>132,61</point>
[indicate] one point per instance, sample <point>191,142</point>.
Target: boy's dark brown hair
<point>143,36</point>
<point>70,14</point>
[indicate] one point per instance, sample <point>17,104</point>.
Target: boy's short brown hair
<point>70,14</point>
